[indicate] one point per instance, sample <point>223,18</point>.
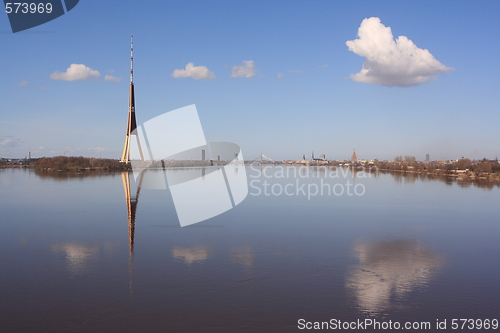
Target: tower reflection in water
<point>132,202</point>
<point>155,178</point>
<point>388,271</point>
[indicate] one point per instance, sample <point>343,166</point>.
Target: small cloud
<point>112,78</point>
<point>76,72</point>
<point>6,142</point>
<point>43,88</point>
<point>196,72</point>
<point>391,62</point>
<point>23,83</point>
<point>9,141</point>
<point>323,66</point>
<point>246,70</point>
<point>97,149</point>
<point>66,151</point>
<point>296,71</point>
<point>111,71</point>
<point>36,149</point>
<point>280,75</point>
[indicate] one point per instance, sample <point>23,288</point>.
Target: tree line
<point>465,166</point>
<point>80,163</point>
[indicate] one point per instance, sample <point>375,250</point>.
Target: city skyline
<point>281,78</point>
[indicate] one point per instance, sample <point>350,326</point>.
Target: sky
<point>282,78</point>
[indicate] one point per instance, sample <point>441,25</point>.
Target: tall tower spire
<point>132,123</point>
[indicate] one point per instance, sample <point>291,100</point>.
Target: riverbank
<point>65,163</point>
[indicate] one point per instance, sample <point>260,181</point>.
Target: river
<point>84,253</point>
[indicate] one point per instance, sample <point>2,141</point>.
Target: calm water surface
<point>405,249</point>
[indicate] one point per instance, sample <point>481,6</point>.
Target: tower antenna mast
<point>132,59</point>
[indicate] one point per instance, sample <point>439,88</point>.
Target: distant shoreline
<point>462,169</point>
<point>71,164</point>
<point>467,176</point>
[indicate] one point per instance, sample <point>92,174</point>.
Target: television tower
<point>132,123</point>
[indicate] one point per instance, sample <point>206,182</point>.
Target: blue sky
<point>298,97</point>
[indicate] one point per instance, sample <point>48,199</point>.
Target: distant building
<point>354,157</point>
<point>427,158</point>
<point>320,159</point>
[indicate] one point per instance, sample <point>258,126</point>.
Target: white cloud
<point>97,149</point>
<point>391,62</point>
<point>23,83</point>
<point>43,88</point>
<point>323,66</point>
<point>196,72</point>
<point>36,149</point>
<point>66,151</point>
<point>10,141</point>
<point>6,142</point>
<point>246,70</point>
<point>280,75</point>
<point>76,72</point>
<point>112,78</point>
<point>111,71</point>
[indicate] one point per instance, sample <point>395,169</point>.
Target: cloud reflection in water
<point>243,254</point>
<point>191,255</point>
<point>389,269</point>
<point>80,255</point>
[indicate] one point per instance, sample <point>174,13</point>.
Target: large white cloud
<point>76,72</point>
<point>246,70</point>
<point>196,72</point>
<point>391,62</point>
